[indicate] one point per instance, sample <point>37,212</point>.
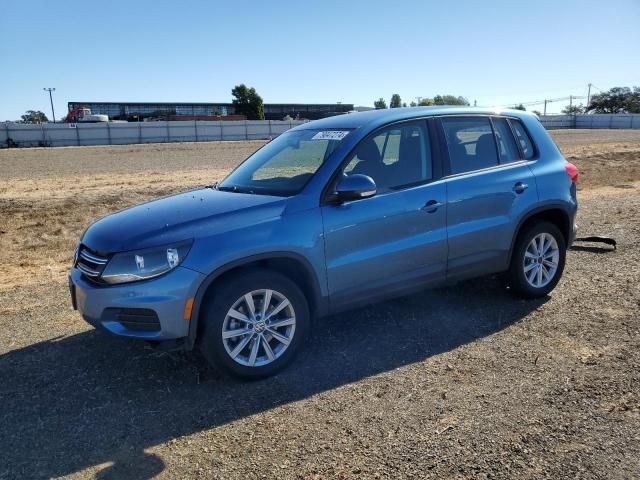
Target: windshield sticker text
<point>330,135</point>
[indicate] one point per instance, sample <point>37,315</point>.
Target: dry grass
<point>48,196</point>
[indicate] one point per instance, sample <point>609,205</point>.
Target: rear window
<point>470,143</point>
<point>522,137</point>
<point>507,147</point>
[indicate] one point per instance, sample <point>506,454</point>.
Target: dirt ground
<point>461,382</point>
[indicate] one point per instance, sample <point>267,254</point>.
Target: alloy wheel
<point>259,327</point>
<point>541,260</point>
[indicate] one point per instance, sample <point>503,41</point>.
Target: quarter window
<point>523,139</point>
<point>470,143</point>
<point>507,147</point>
<point>394,157</point>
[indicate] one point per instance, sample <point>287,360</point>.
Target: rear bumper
<point>573,234</point>
<point>151,310</point>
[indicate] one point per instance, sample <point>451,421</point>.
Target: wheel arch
<point>290,264</point>
<point>555,213</point>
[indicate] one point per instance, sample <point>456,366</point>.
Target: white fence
<point>551,122</point>
<point>63,134</point>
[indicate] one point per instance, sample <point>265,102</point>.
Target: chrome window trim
<point>495,167</point>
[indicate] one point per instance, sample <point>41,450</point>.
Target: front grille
<point>90,263</point>
<point>141,319</point>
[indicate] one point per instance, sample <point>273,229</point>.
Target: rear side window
<point>523,139</point>
<point>470,143</point>
<point>507,147</point>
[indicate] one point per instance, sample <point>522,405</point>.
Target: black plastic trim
<point>541,209</point>
<point>321,303</point>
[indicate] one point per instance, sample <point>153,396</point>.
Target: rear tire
<point>246,337</point>
<point>538,260</point>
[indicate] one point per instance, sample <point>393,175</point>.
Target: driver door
<point>376,247</point>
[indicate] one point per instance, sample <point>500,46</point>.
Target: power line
<point>53,113</point>
<point>546,101</point>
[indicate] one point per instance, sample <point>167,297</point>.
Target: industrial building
<point>139,111</point>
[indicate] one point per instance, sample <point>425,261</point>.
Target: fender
<point>321,302</point>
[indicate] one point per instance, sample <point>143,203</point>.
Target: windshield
<point>284,166</point>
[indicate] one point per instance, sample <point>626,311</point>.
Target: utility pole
<point>53,112</point>
<point>589,96</point>
<point>419,99</point>
<point>570,102</point>
<point>545,107</point>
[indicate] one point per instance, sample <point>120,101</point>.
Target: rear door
<point>489,186</point>
<point>376,246</point>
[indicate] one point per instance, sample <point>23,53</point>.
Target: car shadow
<point>95,400</point>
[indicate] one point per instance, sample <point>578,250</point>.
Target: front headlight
<point>143,264</point>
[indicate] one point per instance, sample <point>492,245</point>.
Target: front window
<point>394,157</point>
<point>284,166</point>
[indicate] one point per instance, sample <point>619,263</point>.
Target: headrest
<point>368,151</point>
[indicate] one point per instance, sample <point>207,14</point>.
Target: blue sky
<point>496,52</point>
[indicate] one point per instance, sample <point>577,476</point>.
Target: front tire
<point>254,323</point>
<point>538,260</point>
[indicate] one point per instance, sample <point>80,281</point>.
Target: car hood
<point>179,217</point>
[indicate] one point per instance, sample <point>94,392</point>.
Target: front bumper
<point>166,295</point>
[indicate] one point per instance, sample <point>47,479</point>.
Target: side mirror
<point>355,187</point>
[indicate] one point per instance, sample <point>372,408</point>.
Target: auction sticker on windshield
<point>330,135</point>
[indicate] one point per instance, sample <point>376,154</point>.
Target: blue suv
<point>332,215</point>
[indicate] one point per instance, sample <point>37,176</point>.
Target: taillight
<point>572,171</point>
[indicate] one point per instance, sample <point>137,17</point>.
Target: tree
<point>573,109</point>
<point>247,102</point>
<point>616,100</point>
<point>33,116</point>
<point>404,104</point>
<point>450,100</point>
<point>395,102</point>
<point>632,104</point>
<point>380,104</point>
<point>413,104</point>
<point>537,112</point>
<point>519,107</point>
<point>425,102</point>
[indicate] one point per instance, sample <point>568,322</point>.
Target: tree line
<point>396,101</point>
<point>614,100</point>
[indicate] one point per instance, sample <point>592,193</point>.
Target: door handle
<point>431,206</point>
<point>520,187</point>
